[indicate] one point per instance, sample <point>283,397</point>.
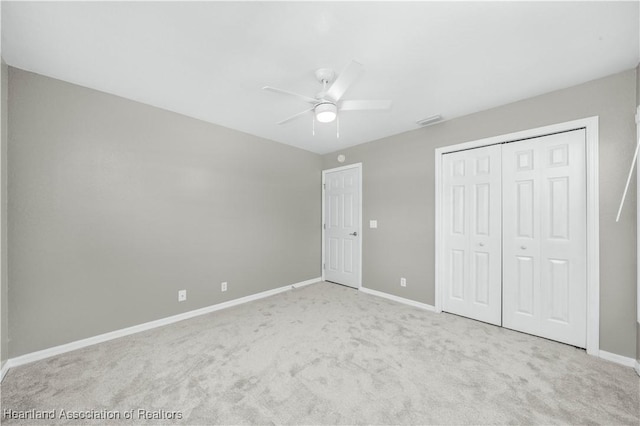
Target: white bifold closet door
<point>544,237</point>
<point>514,219</point>
<point>472,225</point>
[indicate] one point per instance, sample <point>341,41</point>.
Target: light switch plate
<point>373,224</point>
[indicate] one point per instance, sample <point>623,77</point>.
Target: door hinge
<point>323,266</point>
<point>324,226</point>
<point>324,185</point>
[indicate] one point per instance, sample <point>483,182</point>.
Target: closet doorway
<point>515,218</point>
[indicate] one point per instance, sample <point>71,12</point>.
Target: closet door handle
<point>523,247</point>
<point>355,234</point>
<point>481,244</point>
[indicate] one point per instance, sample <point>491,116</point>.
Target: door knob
<point>355,234</point>
<point>523,247</point>
<point>481,244</point>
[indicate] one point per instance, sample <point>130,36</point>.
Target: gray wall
<point>398,191</point>
<point>4,299</point>
<point>114,206</point>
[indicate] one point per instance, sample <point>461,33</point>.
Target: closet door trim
<point>590,125</point>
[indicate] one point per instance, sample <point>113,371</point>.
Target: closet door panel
<point>472,222</point>
<point>544,185</point>
<point>521,242</point>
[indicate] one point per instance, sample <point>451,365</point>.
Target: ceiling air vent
<point>429,120</point>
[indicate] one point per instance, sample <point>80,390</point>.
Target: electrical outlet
<point>182,295</point>
<point>223,286</point>
<point>403,282</point>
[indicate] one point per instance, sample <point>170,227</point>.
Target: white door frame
<point>357,166</point>
<point>637,166</point>
<point>590,125</point>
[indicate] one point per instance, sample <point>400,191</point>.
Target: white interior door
<point>472,229</point>
<point>342,226</point>
<point>544,237</point>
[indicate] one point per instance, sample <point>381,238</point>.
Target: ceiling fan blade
<point>286,92</point>
<point>293,117</point>
<point>353,105</point>
<point>344,80</point>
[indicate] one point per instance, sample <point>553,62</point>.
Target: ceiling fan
<point>326,104</point>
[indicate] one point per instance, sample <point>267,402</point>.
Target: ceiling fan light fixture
<point>326,112</point>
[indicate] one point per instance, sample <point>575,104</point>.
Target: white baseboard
<point>618,359</point>
<point>305,283</point>
<point>398,299</point>
<point>3,370</point>
<point>68,347</point>
<point>637,367</point>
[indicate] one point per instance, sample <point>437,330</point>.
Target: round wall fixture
<point>341,158</point>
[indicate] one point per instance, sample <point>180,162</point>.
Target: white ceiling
<point>210,60</point>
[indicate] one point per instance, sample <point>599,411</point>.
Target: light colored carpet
<point>327,354</point>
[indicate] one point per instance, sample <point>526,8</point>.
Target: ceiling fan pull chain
<point>313,126</point>
<point>338,127</point>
